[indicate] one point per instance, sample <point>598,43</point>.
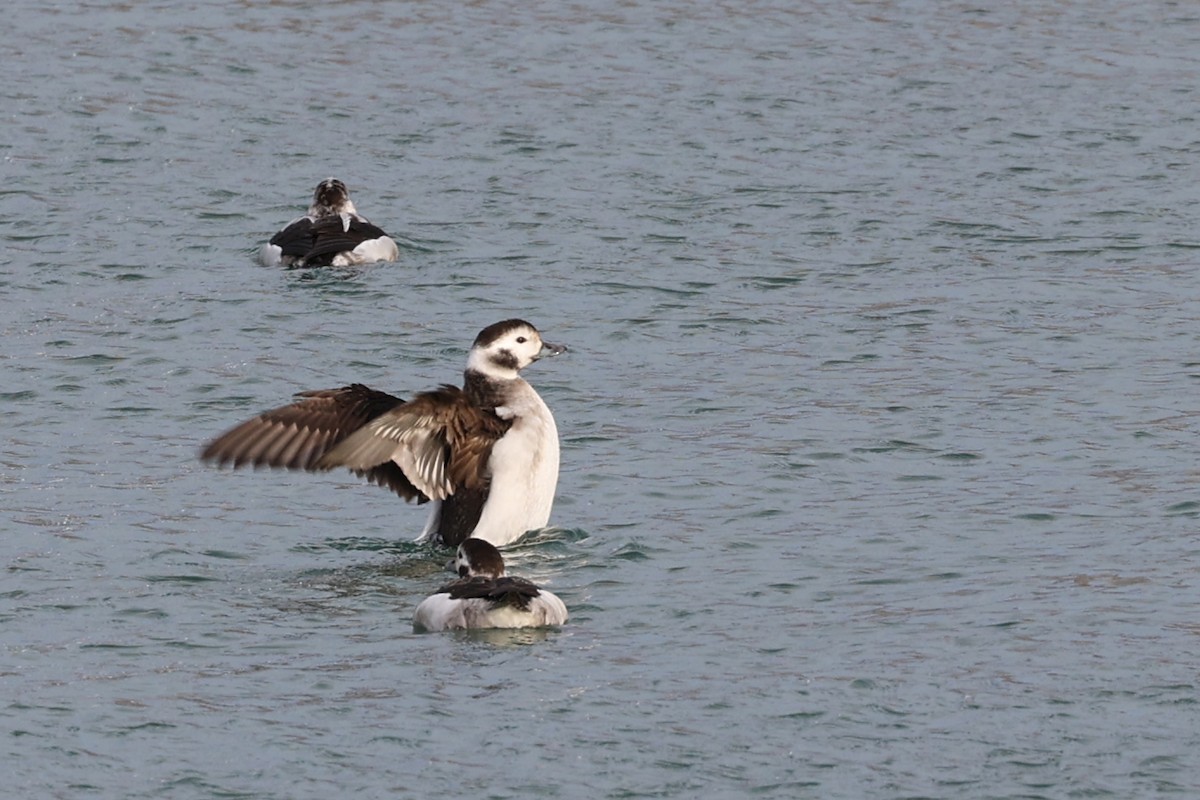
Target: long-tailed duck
<point>331,234</point>
<point>484,597</point>
<point>486,455</point>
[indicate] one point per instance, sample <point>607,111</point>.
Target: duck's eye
<point>521,340</point>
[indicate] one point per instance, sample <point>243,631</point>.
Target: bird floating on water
<point>332,233</point>
<point>484,597</point>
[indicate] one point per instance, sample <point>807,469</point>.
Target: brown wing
<point>440,440</point>
<point>296,436</point>
<point>471,432</point>
<point>508,591</point>
<point>390,476</point>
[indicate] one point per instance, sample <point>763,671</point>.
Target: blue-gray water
<point>880,420</point>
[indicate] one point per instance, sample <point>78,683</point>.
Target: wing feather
<point>440,440</point>
<point>390,476</point>
<point>425,449</point>
<point>296,238</point>
<point>337,235</point>
<point>295,436</point>
<point>516,592</point>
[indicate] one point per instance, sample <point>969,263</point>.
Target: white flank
<point>440,612</point>
<point>271,255</point>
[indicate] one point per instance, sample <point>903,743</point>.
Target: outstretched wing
<point>440,441</point>
<point>298,435</point>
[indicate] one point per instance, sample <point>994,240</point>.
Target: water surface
<point>879,428</point>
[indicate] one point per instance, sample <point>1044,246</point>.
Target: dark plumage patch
<point>515,592</point>
<point>318,243</point>
<point>506,359</point>
<point>296,239</point>
<point>460,514</point>
<point>390,476</point>
<point>483,391</point>
<point>497,329</point>
<point>479,558</point>
<point>332,237</point>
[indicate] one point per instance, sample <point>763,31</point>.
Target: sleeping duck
<point>332,233</point>
<point>484,597</point>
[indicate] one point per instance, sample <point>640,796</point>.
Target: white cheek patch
<point>505,412</point>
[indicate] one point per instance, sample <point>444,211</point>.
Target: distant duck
<point>331,234</point>
<point>484,597</point>
<point>486,455</point>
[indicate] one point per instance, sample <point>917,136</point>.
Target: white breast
<point>524,467</point>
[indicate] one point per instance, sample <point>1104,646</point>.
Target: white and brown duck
<point>484,456</point>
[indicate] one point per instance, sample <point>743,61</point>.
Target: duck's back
<point>476,603</point>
